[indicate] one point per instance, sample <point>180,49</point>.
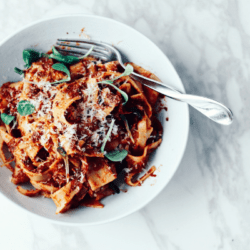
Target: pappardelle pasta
<point>77,127</point>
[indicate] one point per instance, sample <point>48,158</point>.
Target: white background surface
<point>206,205</point>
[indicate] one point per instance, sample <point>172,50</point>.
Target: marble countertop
<point>206,205</point>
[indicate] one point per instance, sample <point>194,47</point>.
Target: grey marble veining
<point>206,205</point>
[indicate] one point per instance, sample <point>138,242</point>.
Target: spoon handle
<point>213,110</point>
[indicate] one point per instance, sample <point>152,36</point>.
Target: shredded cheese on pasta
<point>76,116</point>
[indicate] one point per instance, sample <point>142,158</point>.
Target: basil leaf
<point>7,119</point>
<point>114,155</point>
<point>61,58</point>
<point>19,71</point>
<point>107,136</point>
<point>25,108</point>
<point>128,70</point>
<point>55,52</point>
<point>117,155</point>
<point>30,56</point>
<point>61,151</point>
<point>67,59</point>
<point>124,94</point>
<point>63,68</point>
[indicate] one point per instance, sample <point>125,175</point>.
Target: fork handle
<point>208,107</point>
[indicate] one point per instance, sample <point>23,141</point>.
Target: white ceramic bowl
<point>138,49</point>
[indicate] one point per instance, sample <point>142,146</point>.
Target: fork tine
<point>83,46</point>
<point>80,52</point>
<point>85,41</point>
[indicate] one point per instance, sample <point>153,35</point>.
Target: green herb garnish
<point>117,155</point>
<point>7,119</point>
<point>30,56</point>
<point>67,59</point>
<point>110,82</point>
<point>25,108</point>
<point>107,136</point>
<point>63,68</point>
<point>61,151</point>
<point>128,71</point>
<point>61,58</point>
<point>19,71</point>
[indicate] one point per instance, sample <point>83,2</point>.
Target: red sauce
<point>160,105</point>
<point>57,176</point>
<point>153,174</point>
<point>90,202</point>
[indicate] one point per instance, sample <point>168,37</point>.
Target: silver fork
<point>210,108</point>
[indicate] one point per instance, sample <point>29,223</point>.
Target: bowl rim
<point>186,127</point>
